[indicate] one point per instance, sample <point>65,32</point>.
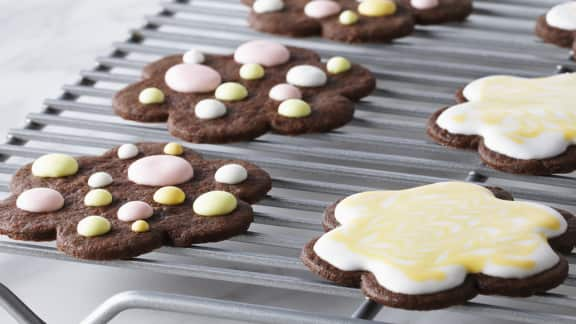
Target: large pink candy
<point>262,52</point>
<point>134,210</point>
<point>322,8</point>
<point>192,78</point>
<point>284,91</point>
<point>40,200</point>
<point>424,4</point>
<point>160,170</point>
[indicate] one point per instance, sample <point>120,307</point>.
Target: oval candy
<point>54,165</point>
<point>169,196</point>
<point>92,226</point>
<point>192,78</point>
<point>263,52</point>
<point>160,170</point>
<point>134,210</point>
<point>231,174</point>
<point>306,76</point>
<point>40,200</point>
<point>214,203</point>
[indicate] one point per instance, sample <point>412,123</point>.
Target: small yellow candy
<point>294,108</point>
<point>173,149</point>
<point>252,71</point>
<point>215,203</point>
<point>140,226</point>
<point>348,17</point>
<point>338,64</point>
<point>93,226</point>
<point>231,91</point>
<point>169,195</point>
<point>54,166</point>
<point>377,8</point>
<point>151,96</point>
<point>98,198</point>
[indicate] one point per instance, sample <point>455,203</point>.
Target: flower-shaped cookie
<point>518,125</point>
<point>439,245</point>
<point>263,86</point>
<point>427,12</point>
<point>344,20</point>
<point>131,200</point>
<point>558,25</point>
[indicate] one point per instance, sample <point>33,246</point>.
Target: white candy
<point>231,174</point>
<point>193,56</point>
<point>563,16</point>
<point>99,180</point>
<point>306,76</point>
<point>263,6</point>
<point>127,151</point>
<point>209,109</point>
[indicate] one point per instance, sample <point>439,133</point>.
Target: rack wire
<point>385,147</point>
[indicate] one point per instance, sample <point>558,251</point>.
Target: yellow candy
<point>151,96</point>
<point>54,166</point>
<point>231,91</point>
<point>338,65</point>
<point>140,226</point>
<point>377,8</point>
<point>98,198</point>
<point>294,108</point>
<point>215,203</point>
<point>93,226</point>
<point>169,196</point>
<point>251,71</point>
<point>173,149</point>
<point>348,17</point>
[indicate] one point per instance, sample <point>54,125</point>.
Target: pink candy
<point>322,8</point>
<point>284,91</point>
<point>134,210</point>
<point>192,78</point>
<point>424,4</point>
<point>262,52</point>
<point>160,170</point>
<point>40,200</point>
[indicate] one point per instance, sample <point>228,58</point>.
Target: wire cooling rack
<point>385,147</point>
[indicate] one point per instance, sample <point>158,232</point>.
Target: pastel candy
<point>231,174</point>
<point>40,200</point>
<point>283,91</point>
<point>424,4</point>
<point>337,65</point>
<point>169,196</point>
<point>193,56</point>
<point>322,8</point>
<point>127,151</point>
<point>151,96</point>
<point>214,203</point>
<point>92,226</point>
<point>99,180</point>
<point>294,108</point>
<point>173,149</point>
<point>98,198</point>
<point>192,78</point>
<point>252,71</point>
<point>262,52</point>
<point>264,6</point>
<point>209,109</point>
<point>306,76</point>
<point>348,17</point>
<point>54,166</point>
<point>140,226</point>
<point>377,8</point>
<point>231,91</point>
<point>134,210</point>
<point>160,170</point>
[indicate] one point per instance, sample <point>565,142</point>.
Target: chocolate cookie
<point>263,86</point>
<point>517,125</point>
<point>428,12</point>
<point>439,245</point>
<point>558,25</point>
<point>344,20</point>
<point>131,200</point>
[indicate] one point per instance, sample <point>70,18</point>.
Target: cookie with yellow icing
<point>518,125</point>
<point>440,245</point>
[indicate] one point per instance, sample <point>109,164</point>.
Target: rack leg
<point>16,307</point>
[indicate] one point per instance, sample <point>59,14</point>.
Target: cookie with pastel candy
<point>558,25</point>
<point>427,12</point>
<point>439,245</point>
<point>131,200</point>
<point>264,86</point>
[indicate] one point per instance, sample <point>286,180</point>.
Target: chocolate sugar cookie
<point>344,20</point>
<point>440,245</point>
<point>558,25</point>
<point>517,125</point>
<point>131,200</point>
<point>263,86</point>
<point>427,12</point>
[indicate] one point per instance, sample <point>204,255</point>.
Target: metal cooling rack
<point>385,147</point>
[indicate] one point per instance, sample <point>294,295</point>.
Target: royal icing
<point>209,109</point>
<point>377,8</point>
<point>134,210</point>
<point>231,174</point>
<point>231,91</point>
<point>338,64</point>
<point>151,96</point>
<point>140,226</point>
<point>264,6</point>
<point>306,76</point>
<point>54,166</point>
<point>294,108</point>
<point>99,180</point>
<point>193,56</point>
<point>98,198</point>
<point>283,91</point>
<point>169,196</point>
<point>348,17</point>
<point>160,170</point>
<point>127,151</point>
<point>563,16</point>
<point>322,8</point>
<point>263,52</point>
<point>427,239</point>
<point>517,117</point>
<point>214,203</point>
<point>192,78</point>
<point>173,149</point>
<point>92,226</point>
<point>40,200</point>
<point>424,4</point>
<point>252,71</point>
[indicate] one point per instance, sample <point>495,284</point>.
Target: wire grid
<point>385,147</point>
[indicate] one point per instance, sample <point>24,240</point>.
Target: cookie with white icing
<point>227,98</point>
<point>558,25</point>
<point>517,125</point>
<point>116,207</point>
<point>439,245</point>
<point>428,12</point>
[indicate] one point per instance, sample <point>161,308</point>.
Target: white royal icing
<point>263,6</point>
<point>99,180</point>
<point>209,109</point>
<point>193,56</point>
<point>127,151</point>
<point>563,16</point>
<point>306,76</point>
<point>231,174</point>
